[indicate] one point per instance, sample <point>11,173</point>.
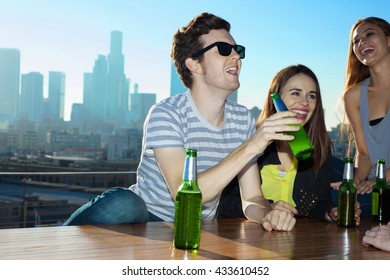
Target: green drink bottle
<point>347,197</point>
<point>380,195</point>
<point>188,210</point>
<point>300,145</point>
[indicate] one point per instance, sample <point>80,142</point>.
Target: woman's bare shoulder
<point>352,95</point>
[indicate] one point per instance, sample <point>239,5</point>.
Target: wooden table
<point>227,239</point>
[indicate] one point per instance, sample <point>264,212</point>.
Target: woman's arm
<point>352,109</point>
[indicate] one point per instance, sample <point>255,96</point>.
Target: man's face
<point>218,72</point>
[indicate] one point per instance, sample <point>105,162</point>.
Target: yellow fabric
<point>277,185</point>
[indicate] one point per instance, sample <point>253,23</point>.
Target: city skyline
<point>106,97</point>
<point>69,36</point>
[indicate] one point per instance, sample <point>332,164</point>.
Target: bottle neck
<point>190,170</point>
<point>348,171</point>
<point>380,171</point>
<point>279,104</point>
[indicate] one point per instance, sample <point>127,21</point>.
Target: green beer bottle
<point>380,195</point>
<point>300,145</point>
<point>347,197</point>
<point>188,210</point>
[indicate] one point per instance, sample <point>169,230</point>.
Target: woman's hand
<point>284,206</point>
<point>278,220</point>
<point>362,187</point>
<point>335,185</point>
<point>333,213</point>
<point>365,186</point>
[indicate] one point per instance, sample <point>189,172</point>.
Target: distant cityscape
<point>103,135</point>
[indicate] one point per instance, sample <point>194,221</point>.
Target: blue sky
<point>68,35</point>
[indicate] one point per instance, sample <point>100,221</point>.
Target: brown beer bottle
<point>347,197</point>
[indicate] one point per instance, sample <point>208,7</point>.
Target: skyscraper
<point>9,83</point>
<point>118,90</point>
<point>56,95</point>
<point>31,98</point>
<point>96,91</point>
<point>140,104</point>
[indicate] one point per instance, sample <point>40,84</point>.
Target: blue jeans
<point>114,206</point>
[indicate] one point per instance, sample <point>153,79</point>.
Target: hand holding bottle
<point>272,129</point>
<point>333,215</point>
<point>301,146</point>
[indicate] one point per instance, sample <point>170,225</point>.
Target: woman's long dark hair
<point>315,127</point>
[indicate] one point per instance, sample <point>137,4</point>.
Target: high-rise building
<point>95,98</point>
<point>77,113</point>
<point>125,145</point>
<point>117,102</point>
<point>9,83</point>
<point>56,97</point>
<point>88,100</point>
<point>140,103</point>
<point>31,98</point>
<point>177,86</point>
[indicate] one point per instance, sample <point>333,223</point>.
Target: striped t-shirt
<point>176,122</point>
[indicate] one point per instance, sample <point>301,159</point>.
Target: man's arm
<point>256,208</point>
<point>214,180</point>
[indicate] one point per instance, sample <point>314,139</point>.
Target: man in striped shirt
<point>208,61</point>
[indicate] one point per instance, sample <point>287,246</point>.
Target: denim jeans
<point>114,206</point>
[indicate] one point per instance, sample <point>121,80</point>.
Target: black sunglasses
<point>224,49</point>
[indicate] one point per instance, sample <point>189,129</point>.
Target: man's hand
<point>378,237</point>
<point>272,129</point>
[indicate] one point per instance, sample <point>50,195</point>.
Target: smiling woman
<point>367,97</point>
<point>299,187</point>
